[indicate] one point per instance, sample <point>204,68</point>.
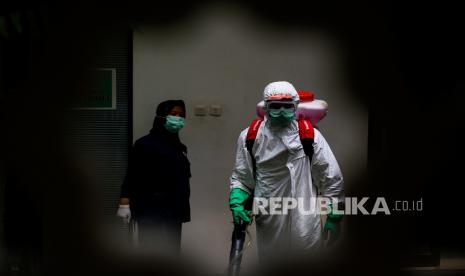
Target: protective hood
<point>280,90</point>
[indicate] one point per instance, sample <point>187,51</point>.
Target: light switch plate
<point>200,110</point>
<point>216,110</point>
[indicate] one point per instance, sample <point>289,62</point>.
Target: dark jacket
<point>157,180</point>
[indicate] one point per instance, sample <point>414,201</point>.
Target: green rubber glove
<point>332,225</point>
<point>237,199</point>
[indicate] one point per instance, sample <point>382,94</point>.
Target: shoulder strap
<point>250,139</point>
<point>307,136</point>
<point>253,129</point>
<point>305,129</point>
<point>252,134</point>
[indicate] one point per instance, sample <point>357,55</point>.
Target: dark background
<point>408,53</point>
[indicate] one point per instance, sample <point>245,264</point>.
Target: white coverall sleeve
<point>325,170</point>
<point>242,175</point>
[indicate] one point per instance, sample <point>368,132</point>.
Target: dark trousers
<point>159,235</point>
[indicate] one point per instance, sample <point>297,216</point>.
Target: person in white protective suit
<point>283,170</point>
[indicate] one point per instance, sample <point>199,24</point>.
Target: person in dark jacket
<point>156,189</point>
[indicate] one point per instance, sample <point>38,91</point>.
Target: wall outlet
<point>216,110</point>
<point>200,110</point>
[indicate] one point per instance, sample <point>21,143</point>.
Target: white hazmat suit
<point>284,171</point>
